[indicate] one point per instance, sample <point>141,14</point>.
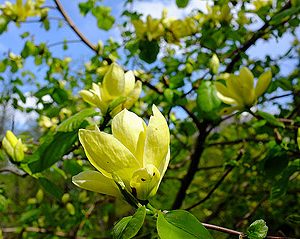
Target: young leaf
<point>74,122</point>
<point>148,51</point>
<point>179,224</point>
<point>52,150</point>
<point>257,230</point>
<point>182,3</point>
<point>104,20</point>
<point>51,188</point>
<point>128,227</point>
<point>207,99</point>
<point>270,119</point>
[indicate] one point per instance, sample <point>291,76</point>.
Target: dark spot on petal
<point>153,174</point>
<point>143,179</point>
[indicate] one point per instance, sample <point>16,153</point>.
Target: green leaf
<point>72,167</point>
<point>52,150</point>
<point>275,162</point>
<point>180,224</point>
<point>128,227</point>
<point>148,51</point>
<point>169,94</point>
<point>116,102</point>
<point>51,188</point>
<point>3,23</point>
<point>104,20</point>
<point>85,7</point>
<point>278,18</point>
<point>271,119</point>
<point>74,122</point>
<point>207,99</point>
<point>182,3</point>
<point>280,186</point>
<point>257,230</point>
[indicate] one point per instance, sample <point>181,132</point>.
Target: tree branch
<point>258,34</point>
<point>195,158</point>
<point>234,232</point>
<point>74,28</point>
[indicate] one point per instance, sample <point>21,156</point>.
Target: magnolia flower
<point>135,153</point>
<point>239,90</point>
<point>13,146</point>
<point>116,85</point>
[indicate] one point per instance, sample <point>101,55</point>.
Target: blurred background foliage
<point>227,170</point>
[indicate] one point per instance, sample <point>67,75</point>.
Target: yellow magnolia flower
<point>152,29</point>
<point>13,146</point>
<point>116,84</point>
<point>135,153</point>
<point>21,11</point>
<point>239,90</point>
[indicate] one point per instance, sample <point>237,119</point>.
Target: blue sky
<point>80,53</point>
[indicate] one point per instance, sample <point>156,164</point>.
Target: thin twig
<point>241,153</point>
<point>257,35</point>
<point>73,26</point>
<point>63,42</point>
<point>234,232</point>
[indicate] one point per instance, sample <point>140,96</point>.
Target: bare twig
<point>74,28</point>
<point>234,232</point>
<point>63,42</point>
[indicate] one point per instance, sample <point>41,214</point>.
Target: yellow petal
<point>246,77</point>
<point>129,82</point>
<point>19,151</point>
<point>8,147</point>
<point>165,166</point>
<point>106,153</point>
<point>95,181</point>
<point>12,139</point>
<point>88,97</point>
<point>113,81</point>
<point>130,130</point>
<point>246,82</point>
<point>157,140</point>
<point>224,94</point>
<point>235,89</point>
<point>145,181</point>
<point>134,95</point>
<point>229,110</point>
<point>263,83</point>
<point>226,100</point>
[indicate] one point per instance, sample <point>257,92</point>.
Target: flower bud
<point>13,147</point>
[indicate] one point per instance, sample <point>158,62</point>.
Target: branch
<point>195,159</point>
<point>233,232</point>
<point>237,141</point>
<point>258,34</point>
<point>17,172</point>
<point>63,42</point>
<point>241,153</point>
<point>73,26</point>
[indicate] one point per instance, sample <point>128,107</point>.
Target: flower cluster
<point>21,11</point>
<point>168,28</point>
